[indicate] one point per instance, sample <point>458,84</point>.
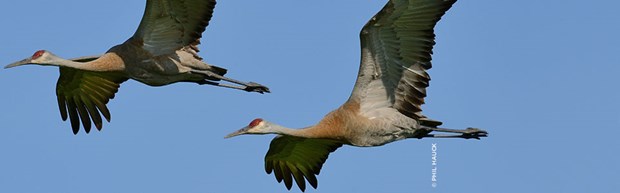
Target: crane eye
<point>38,54</point>
<point>255,122</point>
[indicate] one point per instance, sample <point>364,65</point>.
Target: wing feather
<point>397,46</point>
<point>83,95</point>
<point>300,159</point>
<point>83,113</point>
<point>73,115</point>
<point>169,25</point>
<point>92,111</point>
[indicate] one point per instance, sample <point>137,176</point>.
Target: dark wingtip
<point>98,123</point>
<point>75,130</point>
<point>99,126</point>
<point>62,107</point>
<point>268,167</point>
<point>106,114</point>
<point>313,181</point>
<point>277,172</point>
<point>299,178</point>
<point>83,115</point>
<point>87,129</point>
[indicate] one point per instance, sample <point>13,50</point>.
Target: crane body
<point>162,51</point>
<point>385,104</point>
<point>181,66</point>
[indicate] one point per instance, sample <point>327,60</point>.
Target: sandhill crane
<point>396,46</point>
<point>162,51</point>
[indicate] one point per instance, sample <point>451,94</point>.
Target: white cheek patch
<point>260,125</point>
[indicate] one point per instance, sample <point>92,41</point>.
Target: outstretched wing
<point>397,45</point>
<point>169,25</point>
<point>298,158</point>
<point>84,95</point>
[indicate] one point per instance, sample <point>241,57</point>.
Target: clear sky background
<point>541,76</point>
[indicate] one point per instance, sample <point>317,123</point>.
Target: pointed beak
<point>19,63</point>
<point>239,132</point>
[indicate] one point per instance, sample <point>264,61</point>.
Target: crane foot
<point>474,133</point>
<point>469,133</point>
<point>246,86</point>
<point>255,87</point>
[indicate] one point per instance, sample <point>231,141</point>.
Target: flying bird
<point>162,51</point>
<point>385,105</point>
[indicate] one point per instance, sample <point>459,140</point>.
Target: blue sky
<point>540,76</point>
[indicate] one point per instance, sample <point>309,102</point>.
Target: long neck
<point>333,126</point>
<point>277,129</point>
<point>316,131</point>
<point>107,62</point>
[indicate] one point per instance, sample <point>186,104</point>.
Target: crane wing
<point>169,25</point>
<point>84,95</point>
<point>396,48</point>
<point>298,158</point>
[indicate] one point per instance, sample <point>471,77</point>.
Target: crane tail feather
<point>219,70</point>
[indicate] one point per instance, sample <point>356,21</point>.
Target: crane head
<point>257,126</point>
<point>40,57</point>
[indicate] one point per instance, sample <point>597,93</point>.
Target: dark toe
<point>475,133</point>
<point>255,87</point>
